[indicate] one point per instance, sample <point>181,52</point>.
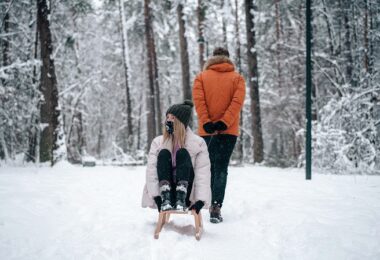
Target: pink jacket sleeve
<point>202,176</point>
<point>151,169</point>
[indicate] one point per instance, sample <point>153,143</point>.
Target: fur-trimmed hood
<point>219,63</point>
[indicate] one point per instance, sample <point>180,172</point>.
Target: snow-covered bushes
<point>346,138</point>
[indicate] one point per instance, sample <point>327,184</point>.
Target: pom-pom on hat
<point>182,111</point>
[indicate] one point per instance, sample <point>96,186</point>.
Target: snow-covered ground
<point>70,212</point>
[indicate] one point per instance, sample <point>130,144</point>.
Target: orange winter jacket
<point>218,94</point>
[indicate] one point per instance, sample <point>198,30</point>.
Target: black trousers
<point>220,148</point>
<point>184,171</point>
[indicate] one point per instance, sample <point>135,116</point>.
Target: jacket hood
<point>219,63</point>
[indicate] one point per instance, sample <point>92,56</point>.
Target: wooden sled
<point>164,216</point>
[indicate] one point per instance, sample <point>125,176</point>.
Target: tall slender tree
<point>347,44</point>
<point>5,39</point>
<point>258,146</point>
<point>128,103</point>
<point>278,45</point>
<point>49,105</point>
<point>237,36</point>
<point>201,13</point>
<point>153,96</point>
<point>239,145</point>
<point>328,25</point>
<point>371,36</point>
<point>157,96</point>
<point>366,37</point>
<point>185,67</point>
<point>5,57</point>
<point>31,155</point>
<point>224,24</point>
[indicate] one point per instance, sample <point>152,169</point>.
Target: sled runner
<point>164,216</point>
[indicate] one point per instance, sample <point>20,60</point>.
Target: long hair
<point>179,133</point>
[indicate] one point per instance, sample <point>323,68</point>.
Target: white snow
<point>71,212</point>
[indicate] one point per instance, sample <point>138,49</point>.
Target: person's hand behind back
<point>220,126</point>
<point>209,127</point>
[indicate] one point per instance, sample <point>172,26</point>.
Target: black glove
<point>209,127</point>
<point>220,126</point>
<point>197,206</point>
<point>158,201</point>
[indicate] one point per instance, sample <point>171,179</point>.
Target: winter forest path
<point>70,212</point>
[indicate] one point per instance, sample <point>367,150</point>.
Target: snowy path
<point>94,213</point>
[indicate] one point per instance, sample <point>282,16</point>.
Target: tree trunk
<point>124,44</point>
<point>340,28</point>
<point>5,38</point>
<point>224,26</point>
<point>278,51</point>
<point>139,125</point>
<point>328,25</point>
<point>366,40</point>
<point>186,88</point>
<point>371,37</point>
<point>334,51</point>
<point>258,146</point>
<point>6,62</point>
<point>31,155</point>
<point>237,37</point>
<point>157,98</point>
<point>201,13</point>
<point>239,145</point>
<point>73,140</point>
<point>81,134</point>
<point>349,60</point>
<point>156,91</point>
<point>75,135</point>
<point>99,145</point>
<point>150,99</point>
<point>49,106</point>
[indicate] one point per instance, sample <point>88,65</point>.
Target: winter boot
<point>215,215</point>
<point>181,192</point>
<point>165,196</point>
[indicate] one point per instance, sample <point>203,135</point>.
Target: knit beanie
<point>182,111</point>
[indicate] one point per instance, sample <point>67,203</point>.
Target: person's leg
<point>164,165</point>
<point>226,146</point>
<point>164,173</point>
<point>184,168</point>
<point>183,165</point>
<point>213,143</point>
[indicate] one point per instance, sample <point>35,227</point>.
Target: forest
<point>93,78</point>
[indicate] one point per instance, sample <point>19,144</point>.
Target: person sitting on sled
<point>178,173</point>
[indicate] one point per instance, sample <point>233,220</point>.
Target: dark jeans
<point>220,149</point>
<point>184,171</point>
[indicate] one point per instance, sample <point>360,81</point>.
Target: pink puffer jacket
<point>197,149</point>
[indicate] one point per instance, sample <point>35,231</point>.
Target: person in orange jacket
<point>218,94</point>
